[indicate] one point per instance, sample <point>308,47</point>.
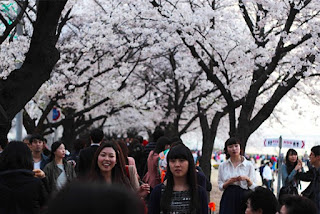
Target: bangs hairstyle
<point>290,166</point>
<point>118,171</point>
<point>180,152</point>
<point>291,152</point>
<point>35,137</point>
<point>232,141</point>
<point>54,148</point>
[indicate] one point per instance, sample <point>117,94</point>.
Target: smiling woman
<point>108,165</point>
<point>106,161</point>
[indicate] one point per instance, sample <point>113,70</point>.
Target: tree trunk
<point>208,137</point>
<point>69,134</point>
<point>22,84</point>
<point>28,123</point>
<point>207,147</point>
<point>69,129</point>
<point>171,130</point>
<point>243,132</point>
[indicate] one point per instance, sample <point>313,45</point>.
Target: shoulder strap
<point>286,182</point>
<point>127,171</point>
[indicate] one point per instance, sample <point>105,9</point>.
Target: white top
<point>36,165</point>
<point>227,171</point>
<point>62,179</point>
<point>267,173</point>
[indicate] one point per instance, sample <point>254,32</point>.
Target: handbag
<point>288,189</point>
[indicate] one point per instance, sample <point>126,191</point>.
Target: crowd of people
<point>132,176</point>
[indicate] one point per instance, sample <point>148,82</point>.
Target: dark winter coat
<point>313,190</point>
<point>21,192</point>
<point>85,160</point>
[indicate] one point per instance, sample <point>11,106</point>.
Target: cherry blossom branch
<point>10,27</point>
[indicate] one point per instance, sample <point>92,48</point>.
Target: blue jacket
<point>44,161</point>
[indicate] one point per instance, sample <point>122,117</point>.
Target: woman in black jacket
<point>20,190</point>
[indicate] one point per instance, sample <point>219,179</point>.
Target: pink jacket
<point>152,177</point>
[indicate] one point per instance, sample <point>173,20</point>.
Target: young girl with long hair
<point>290,169</point>
<point>108,166</point>
<point>180,192</point>
<point>236,176</point>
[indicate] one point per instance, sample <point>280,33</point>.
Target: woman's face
<point>60,152</point>
<point>233,150</point>
<point>107,159</point>
<point>179,167</point>
<point>292,158</point>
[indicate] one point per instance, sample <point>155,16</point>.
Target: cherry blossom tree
<point>175,84</point>
<point>136,64</point>
<point>255,52</point>
<point>101,47</point>
<point>38,56</point>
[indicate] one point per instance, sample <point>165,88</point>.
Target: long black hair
<point>180,152</point>
<point>16,155</point>
<point>118,171</point>
<point>124,149</point>
<point>291,166</point>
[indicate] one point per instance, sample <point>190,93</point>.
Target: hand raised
<point>38,173</point>
<point>144,190</point>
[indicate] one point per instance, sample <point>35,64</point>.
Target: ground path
<point>215,194</point>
